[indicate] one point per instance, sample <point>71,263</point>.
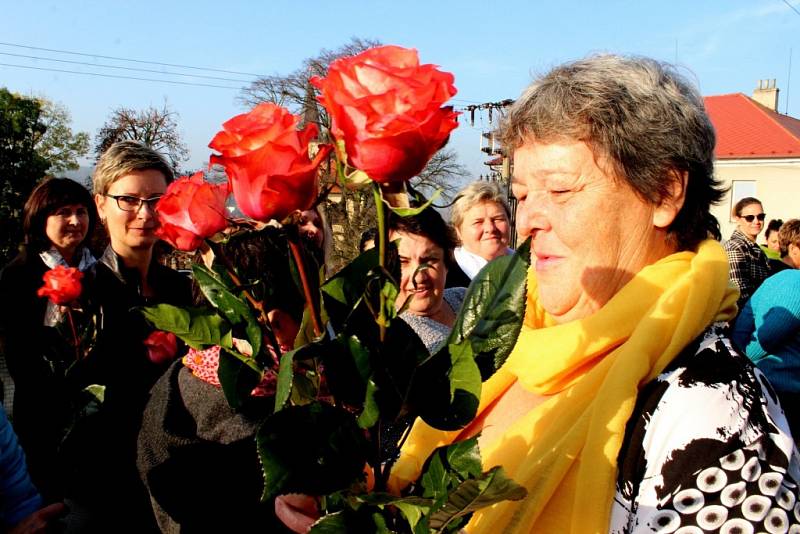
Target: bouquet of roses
<point>357,376</point>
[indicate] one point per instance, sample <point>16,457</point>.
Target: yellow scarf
<point>564,451</point>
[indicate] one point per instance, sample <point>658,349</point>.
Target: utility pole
<point>491,146</point>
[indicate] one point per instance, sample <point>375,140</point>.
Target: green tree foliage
<point>21,165</point>
<point>59,145</point>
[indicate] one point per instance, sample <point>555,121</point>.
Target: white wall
<point>777,186</point>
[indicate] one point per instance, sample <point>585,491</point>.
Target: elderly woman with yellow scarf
<point>623,407</point>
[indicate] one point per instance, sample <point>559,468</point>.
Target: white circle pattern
<point>712,517</point>
<point>755,507</point>
<point>665,521</point>
<point>733,494</point>
<point>711,480</point>
<point>688,501</point>
<point>770,483</point>
<point>776,522</point>
<point>751,470</point>
<point>737,526</point>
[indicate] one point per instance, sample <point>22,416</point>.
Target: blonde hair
<point>125,157</point>
<point>474,194</point>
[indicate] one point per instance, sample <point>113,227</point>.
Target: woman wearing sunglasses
<point>749,265</point>
<point>128,181</point>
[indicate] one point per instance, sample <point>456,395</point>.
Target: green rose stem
<point>301,269</point>
<point>257,304</point>
<point>75,340</point>
<point>382,237</point>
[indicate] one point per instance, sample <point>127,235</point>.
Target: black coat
<point>199,461</point>
<point>37,358</point>
<point>102,450</point>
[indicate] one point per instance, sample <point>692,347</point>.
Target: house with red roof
<point>757,153</point>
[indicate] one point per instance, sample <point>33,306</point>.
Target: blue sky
<point>493,48</point>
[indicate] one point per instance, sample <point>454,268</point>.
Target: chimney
<point>766,94</point>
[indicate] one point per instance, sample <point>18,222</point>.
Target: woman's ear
<point>669,206</point>
<point>100,203</point>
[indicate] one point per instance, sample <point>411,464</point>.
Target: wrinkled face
<point>590,231</point>
<point>311,228</point>
<point>794,255</point>
<point>132,231</point>
<point>67,226</point>
<point>752,227</point>
<point>485,230</point>
<point>425,285</point>
<point>773,243</point>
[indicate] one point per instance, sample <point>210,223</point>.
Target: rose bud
<point>190,211</point>
<point>62,284</point>
<point>161,346</point>
<point>267,161</point>
<point>387,109</point>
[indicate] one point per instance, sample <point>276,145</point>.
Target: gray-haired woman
<point>481,218</point>
<point>623,407</point>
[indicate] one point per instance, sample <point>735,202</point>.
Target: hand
<point>297,511</point>
<point>37,522</point>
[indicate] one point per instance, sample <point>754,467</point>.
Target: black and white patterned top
<point>747,264</point>
<point>707,449</point>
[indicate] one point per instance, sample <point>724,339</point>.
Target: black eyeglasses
<point>760,217</point>
<point>129,203</point>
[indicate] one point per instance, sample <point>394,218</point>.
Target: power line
<point>175,82</point>
<point>131,60</point>
<point>124,68</point>
<point>791,6</point>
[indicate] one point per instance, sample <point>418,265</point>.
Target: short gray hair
<point>473,194</point>
<point>125,157</point>
<point>640,115</point>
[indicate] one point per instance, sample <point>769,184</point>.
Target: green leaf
<point>314,449</point>
<point>493,310</point>
<point>197,327</point>
<point>471,495</point>
<point>285,378</point>
<point>410,212</point>
<point>236,378</point>
<point>365,520</point>
<point>231,307</point>
<point>447,388</point>
<point>371,412</point>
<point>435,478</point>
<point>413,513</point>
<point>464,457</point>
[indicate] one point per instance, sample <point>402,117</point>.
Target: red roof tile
<point>746,129</point>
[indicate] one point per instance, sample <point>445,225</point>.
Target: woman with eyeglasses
<point>749,266</point>
<point>128,181</point>
<point>58,219</point>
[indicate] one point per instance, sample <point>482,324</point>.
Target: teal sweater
<point>768,330</point>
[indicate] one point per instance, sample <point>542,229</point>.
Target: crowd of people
<point>653,386</point>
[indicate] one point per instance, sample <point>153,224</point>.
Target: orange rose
<point>387,108</point>
<point>190,211</point>
<point>267,162</point>
<point>62,284</point>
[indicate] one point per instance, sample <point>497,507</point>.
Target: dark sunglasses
<point>760,217</point>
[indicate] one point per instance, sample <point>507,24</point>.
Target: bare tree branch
<point>156,128</point>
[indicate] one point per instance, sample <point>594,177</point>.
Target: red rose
<point>267,162</point>
<point>161,346</point>
<point>386,107</point>
<point>190,211</point>
<point>62,284</point>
